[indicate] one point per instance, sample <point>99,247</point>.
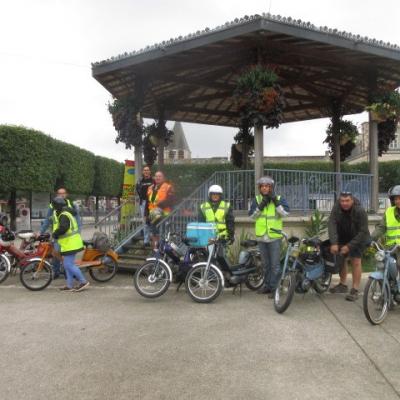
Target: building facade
<point>361,151</point>
<point>178,150</point>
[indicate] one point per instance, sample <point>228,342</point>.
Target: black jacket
<point>141,188</point>
<point>360,235</point>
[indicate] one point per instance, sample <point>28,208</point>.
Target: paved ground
<point>109,343</point>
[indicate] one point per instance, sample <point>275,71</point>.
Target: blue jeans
<point>72,271</point>
<point>56,261</point>
<point>271,258</point>
<point>146,229</point>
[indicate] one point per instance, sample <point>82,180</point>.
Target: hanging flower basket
<point>385,109</point>
<point>259,97</point>
<point>347,139</point>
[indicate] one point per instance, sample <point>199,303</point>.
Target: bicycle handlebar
<point>381,248</point>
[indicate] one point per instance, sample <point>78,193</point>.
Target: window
<point>181,154</point>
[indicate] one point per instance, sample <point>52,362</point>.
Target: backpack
<point>101,242</point>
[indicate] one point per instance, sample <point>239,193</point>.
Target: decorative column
<point>258,153</point>
<point>373,163</point>
<point>336,114</point>
<point>138,152</point>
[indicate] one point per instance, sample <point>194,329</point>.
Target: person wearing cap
<point>48,222</point>
<point>389,226</point>
<point>160,200</point>
<point>66,232</point>
<point>349,237</point>
<point>268,210</point>
<point>218,211</point>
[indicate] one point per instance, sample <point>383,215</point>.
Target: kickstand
<point>179,285</point>
<point>240,290</point>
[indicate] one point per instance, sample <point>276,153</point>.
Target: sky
<point>47,47</point>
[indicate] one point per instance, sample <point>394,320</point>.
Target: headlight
<point>380,255</point>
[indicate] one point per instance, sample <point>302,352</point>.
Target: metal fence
<point>305,191</point>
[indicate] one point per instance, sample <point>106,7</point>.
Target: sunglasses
<point>346,194</point>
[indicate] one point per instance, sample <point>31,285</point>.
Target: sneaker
<point>339,288</point>
<point>81,286</point>
<point>66,289</point>
<point>264,290</point>
<point>353,295</point>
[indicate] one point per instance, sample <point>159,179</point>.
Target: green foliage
<point>156,134</point>
<point>33,161</point>
<point>386,105</point>
<point>348,133</point>
<point>108,177</point>
<point>244,143</point>
<point>256,78</point>
<point>27,159</point>
<point>317,226</point>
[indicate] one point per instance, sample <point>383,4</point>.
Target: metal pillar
<point>258,153</point>
<point>336,114</point>
<point>138,155</point>
<point>373,163</point>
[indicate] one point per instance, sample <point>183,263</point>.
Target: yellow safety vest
<point>71,240</point>
<point>218,217</point>
<point>268,219</point>
<point>392,227</point>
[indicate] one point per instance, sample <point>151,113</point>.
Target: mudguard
<point>221,275</point>
<point>378,275</point>
<point>163,263</point>
<point>112,254</point>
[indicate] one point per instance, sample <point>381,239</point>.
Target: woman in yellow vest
<point>220,212</point>
<point>267,210</point>
<point>66,232</point>
<point>389,227</point>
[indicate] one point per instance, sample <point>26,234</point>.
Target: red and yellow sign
<point>128,192</point>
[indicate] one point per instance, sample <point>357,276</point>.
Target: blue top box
<point>202,231</point>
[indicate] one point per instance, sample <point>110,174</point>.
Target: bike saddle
<point>44,237</point>
<point>249,243</point>
<point>293,240</point>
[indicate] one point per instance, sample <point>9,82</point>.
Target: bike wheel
<point>255,280</point>
<point>105,271</point>
<point>322,284</point>
<point>284,292</point>
<point>152,279</point>
<point>376,301</point>
<point>34,278</point>
<point>203,286</point>
<point>4,267</point>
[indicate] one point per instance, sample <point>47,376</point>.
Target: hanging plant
<point>348,133</point>
<point>124,115</point>
<point>259,97</point>
<point>155,134</point>
<point>244,143</point>
<point>385,109</point>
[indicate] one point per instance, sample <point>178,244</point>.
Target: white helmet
<point>215,189</point>
<point>266,180</point>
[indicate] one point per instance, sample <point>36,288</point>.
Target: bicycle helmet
<point>215,189</point>
<point>393,192</point>
<point>266,180</point>
<point>59,202</point>
<point>155,215</point>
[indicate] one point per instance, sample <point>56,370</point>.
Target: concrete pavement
<point>110,343</point>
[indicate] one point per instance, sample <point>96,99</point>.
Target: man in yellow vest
<point>66,232</point>
<point>389,227</point>
<point>220,212</point>
<point>268,210</point>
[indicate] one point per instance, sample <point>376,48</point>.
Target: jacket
<point>359,225</point>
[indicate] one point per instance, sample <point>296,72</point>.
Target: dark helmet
<point>393,192</point>
<point>59,202</point>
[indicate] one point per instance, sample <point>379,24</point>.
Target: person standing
<point>48,222</point>
<point>389,227</point>
<point>142,187</point>
<point>66,232</point>
<point>268,210</point>
<point>348,236</point>
<point>220,212</point>
<point>160,200</point>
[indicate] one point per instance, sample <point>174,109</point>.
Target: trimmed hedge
<point>33,161</point>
